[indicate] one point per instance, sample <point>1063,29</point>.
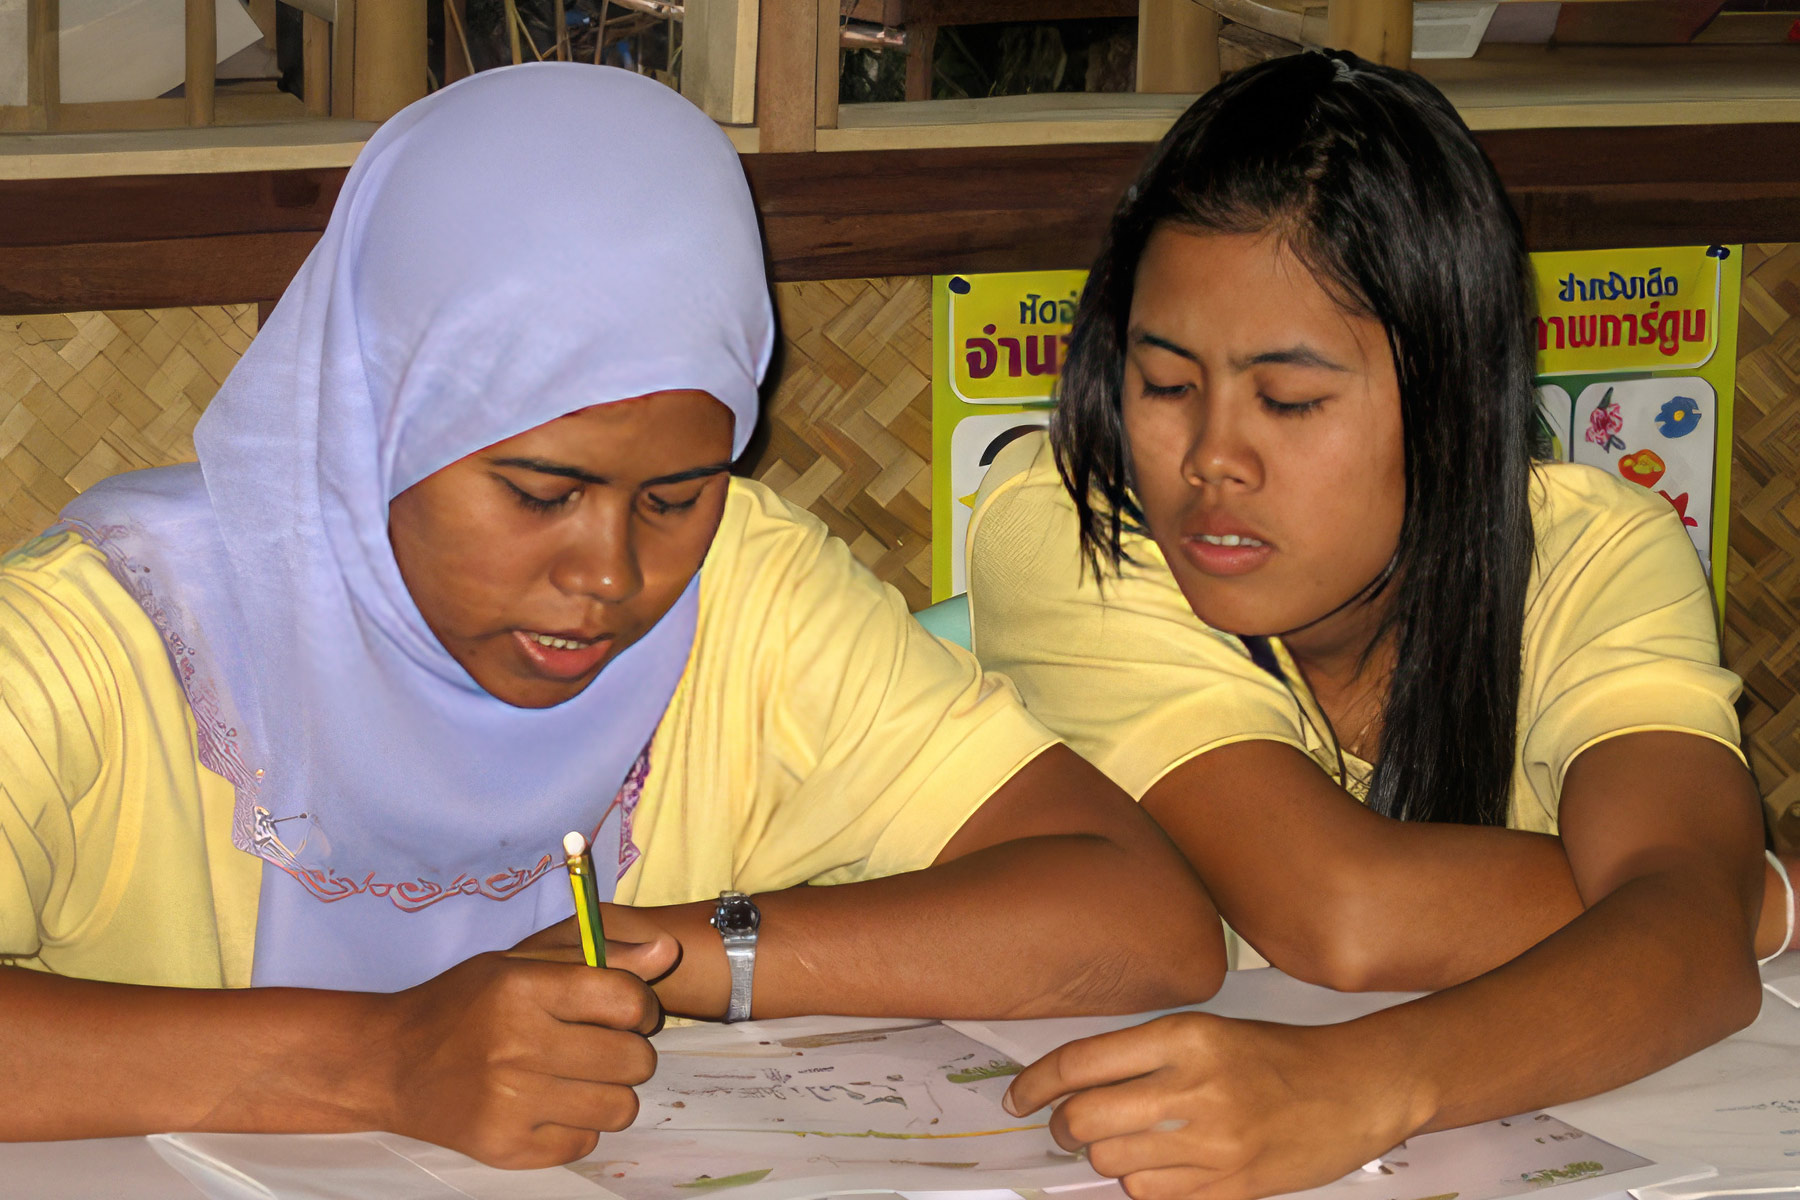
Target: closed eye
<point>1283,409</point>
<point>1152,389</point>
<point>662,507</point>
<point>537,504</point>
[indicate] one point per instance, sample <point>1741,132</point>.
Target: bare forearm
<point>1040,926</point>
<point>86,1059</point>
<point>1656,970</point>
<point>1423,907</point>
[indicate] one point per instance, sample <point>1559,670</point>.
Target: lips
<point>562,656</point>
<point>1220,547</point>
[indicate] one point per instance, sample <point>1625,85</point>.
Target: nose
<point>1220,452</point>
<point>600,559</point>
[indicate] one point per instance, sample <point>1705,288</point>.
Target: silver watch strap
<point>740,952</point>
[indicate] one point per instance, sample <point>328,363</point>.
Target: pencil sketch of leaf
<point>991,1070</point>
<point>709,1183</point>
<point>816,1041</point>
<point>1551,1176</point>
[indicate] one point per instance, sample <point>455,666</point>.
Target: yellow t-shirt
<point>1619,637</point>
<point>817,735</point>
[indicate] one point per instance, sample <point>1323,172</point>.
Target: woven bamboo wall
<point>87,395</point>
<point>84,395</point>
<point>849,427</point>
<point>849,437</point>
<point>1762,611</point>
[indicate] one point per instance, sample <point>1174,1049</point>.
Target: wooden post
<point>825,109</point>
<point>343,59</point>
<point>718,58</point>
<point>391,59</point>
<point>43,62</point>
<point>787,76</point>
<point>921,52</point>
<point>1379,30</point>
<point>459,59</point>
<point>561,42</point>
<point>202,59</point>
<point>315,65</point>
<point>263,13</point>
<point>1178,47</point>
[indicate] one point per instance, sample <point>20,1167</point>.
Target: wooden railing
<point>365,61</point>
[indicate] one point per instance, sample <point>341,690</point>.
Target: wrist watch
<point>737,918</point>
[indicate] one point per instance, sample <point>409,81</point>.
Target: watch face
<point>737,916</point>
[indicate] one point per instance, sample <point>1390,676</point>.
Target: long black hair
<point>1367,174</point>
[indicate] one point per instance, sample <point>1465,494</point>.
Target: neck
<point>1339,650</point>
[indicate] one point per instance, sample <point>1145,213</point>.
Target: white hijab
<point>523,244</point>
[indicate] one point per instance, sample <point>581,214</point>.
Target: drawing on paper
<point>1661,433</point>
<point>1678,417</point>
<point>1643,468</point>
<point>899,1105</point>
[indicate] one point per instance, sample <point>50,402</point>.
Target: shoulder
<point>767,544</point>
<point>1023,490</point>
<point>60,584</point>
<point>776,575</point>
<point>1590,527</point>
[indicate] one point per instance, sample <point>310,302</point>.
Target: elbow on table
<point>1175,962</point>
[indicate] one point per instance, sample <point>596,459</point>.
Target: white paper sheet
<point>1782,977</point>
<point>1737,1104</point>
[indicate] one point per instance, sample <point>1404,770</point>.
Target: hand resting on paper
<point>522,1059</point>
<point>1199,1106</point>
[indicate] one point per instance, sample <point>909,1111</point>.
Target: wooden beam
<point>1378,30</point>
<point>831,58</point>
<point>202,60</point>
<point>390,57</point>
<point>787,75</point>
<point>159,240</point>
<point>315,64</point>
<point>43,63</point>
<point>459,57</point>
<point>718,59</point>
<point>263,13</point>
<point>343,60</point>
<point>986,12</point>
<point>1178,47</point>
<point>921,60</point>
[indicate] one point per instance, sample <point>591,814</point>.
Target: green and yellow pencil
<point>587,899</point>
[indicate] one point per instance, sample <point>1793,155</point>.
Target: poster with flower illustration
<point>1637,365</point>
<point>1637,361</point>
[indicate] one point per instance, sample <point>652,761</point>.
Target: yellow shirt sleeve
<point>1620,633</point>
<point>116,860</point>
<point>820,735</point>
<point>1123,669</point>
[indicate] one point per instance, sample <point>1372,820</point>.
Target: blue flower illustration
<point>1679,417</point>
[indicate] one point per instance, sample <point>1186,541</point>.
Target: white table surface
<point>1647,1117</point>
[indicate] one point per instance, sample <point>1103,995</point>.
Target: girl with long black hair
<point>1424,711</point>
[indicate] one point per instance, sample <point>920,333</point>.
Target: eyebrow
<point>544,466</point>
<point>1300,355</point>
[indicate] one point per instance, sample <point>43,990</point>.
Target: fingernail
<point>1006,1102</point>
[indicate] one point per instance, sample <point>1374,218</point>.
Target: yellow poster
<point>1603,311</point>
<point>1637,365</point>
<point>998,341</point>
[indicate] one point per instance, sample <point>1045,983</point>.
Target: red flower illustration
<point>1680,503</point>
<point>1604,424</point>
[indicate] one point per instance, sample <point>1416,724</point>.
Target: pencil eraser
<point>574,843</point>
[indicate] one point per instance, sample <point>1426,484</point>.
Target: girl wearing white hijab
<point>461,567</point>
